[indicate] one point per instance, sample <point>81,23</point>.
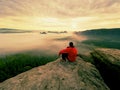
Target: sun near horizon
<point>71,15</point>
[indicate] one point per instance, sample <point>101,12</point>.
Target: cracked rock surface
<point>57,75</point>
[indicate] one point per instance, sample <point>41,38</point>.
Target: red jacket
<point>72,53</point>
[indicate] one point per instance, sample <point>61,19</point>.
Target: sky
<point>71,15</point>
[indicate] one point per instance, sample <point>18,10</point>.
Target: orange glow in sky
<point>59,14</point>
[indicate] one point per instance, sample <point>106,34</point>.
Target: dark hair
<point>71,44</point>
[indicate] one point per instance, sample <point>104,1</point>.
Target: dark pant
<point>64,56</point>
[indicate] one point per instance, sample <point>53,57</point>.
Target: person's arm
<point>76,51</point>
<point>64,51</point>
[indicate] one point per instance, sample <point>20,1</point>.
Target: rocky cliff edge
<point>57,75</point>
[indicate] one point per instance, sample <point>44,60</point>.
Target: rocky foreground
<point>57,75</point>
<point>107,62</point>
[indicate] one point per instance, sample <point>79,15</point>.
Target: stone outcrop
<point>57,75</point>
<point>107,62</point>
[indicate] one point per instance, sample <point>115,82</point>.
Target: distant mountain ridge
<point>10,30</point>
<point>113,33</point>
<point>108,38</point>
<point>103,32</point>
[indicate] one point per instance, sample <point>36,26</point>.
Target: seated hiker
<point>69,53</point>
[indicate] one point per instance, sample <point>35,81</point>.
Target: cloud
<point>32,12</point>
<point>58,8</point>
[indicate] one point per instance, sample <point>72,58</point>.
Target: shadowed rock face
<point>107,62</point>
<point>57,75</point>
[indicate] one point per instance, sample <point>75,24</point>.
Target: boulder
<point>57,75</point>
<point>107,62</point>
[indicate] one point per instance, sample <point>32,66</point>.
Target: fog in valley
<point>35,41</point>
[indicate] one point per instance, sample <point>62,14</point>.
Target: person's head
<point>71,44</point>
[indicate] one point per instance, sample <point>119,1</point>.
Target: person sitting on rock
<point>69,53</point>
